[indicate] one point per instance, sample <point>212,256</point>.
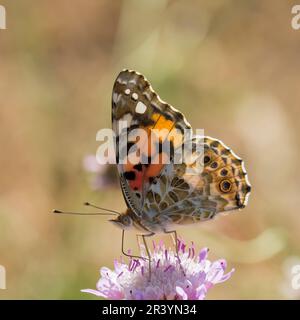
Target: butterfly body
<point>160,191</point>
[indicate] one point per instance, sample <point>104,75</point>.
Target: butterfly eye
<point>126,220</point>
<point>225,186</point>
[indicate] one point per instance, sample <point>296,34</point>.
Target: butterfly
<point>162,195</point>
<point>172,177</point>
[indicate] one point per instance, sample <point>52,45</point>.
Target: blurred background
<point>232,67</point>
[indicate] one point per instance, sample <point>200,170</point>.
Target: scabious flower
<point>189,279</point>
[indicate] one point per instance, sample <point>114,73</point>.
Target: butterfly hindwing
<point>216,182</point>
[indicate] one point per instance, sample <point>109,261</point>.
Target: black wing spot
<point>206,159</point>
<point>138,167</point>
<point>214,165</point>
<point>129,145</point>
<point>129,175</point>
<point>224,172</point>
<point>225,186</point>
<point>151,179</point>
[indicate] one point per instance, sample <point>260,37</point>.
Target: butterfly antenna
<point>88,204</point>
<point>84,213</point>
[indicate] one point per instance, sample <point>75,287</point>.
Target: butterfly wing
<point>189,192</point>
<point>135,105</point>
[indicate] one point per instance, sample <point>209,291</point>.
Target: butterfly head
<point>123,221</point>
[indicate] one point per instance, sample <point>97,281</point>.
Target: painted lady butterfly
<point>162,194</point>
<point>159,195</point>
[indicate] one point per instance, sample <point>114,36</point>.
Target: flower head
<point>187,279</point>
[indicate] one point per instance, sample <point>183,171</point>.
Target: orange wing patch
<point>150,155</point>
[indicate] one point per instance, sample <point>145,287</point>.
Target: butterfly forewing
<point>138,110</point>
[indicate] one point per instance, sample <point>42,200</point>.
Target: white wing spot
<point>127,91</point>
<point>140,107</point>
<point>135,96</point>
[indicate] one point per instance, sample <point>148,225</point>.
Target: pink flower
<point>169,280</point>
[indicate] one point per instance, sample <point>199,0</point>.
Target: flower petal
<point>95,292</point>
<point>181,293</point>
<point>203,254</point>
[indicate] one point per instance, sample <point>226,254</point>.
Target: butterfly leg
<point>147,250</point>
<point>175,239</point>
<point>126,254</point>
<point>138,241</point>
